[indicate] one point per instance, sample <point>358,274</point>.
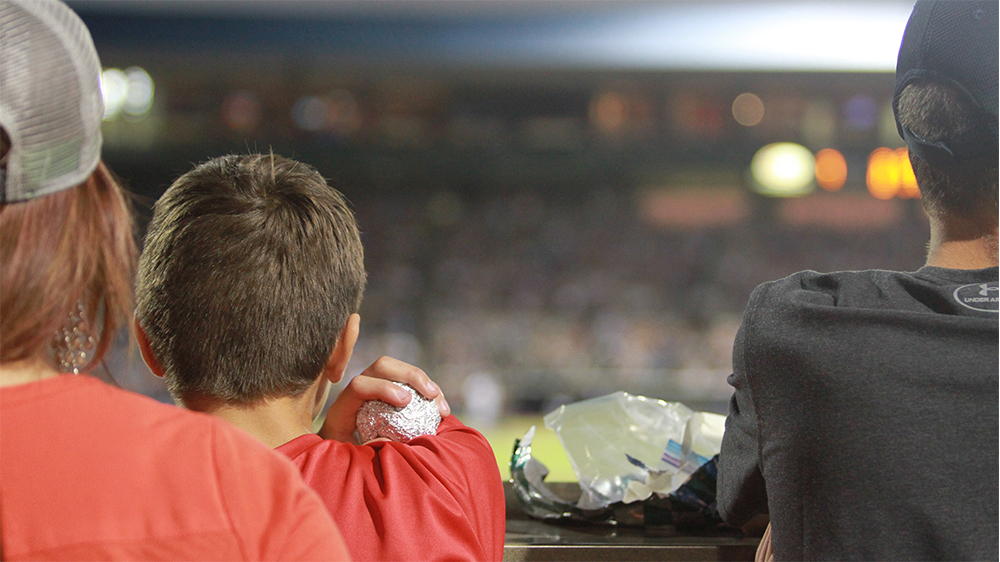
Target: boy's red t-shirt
<point>92,472</point>
<point>438,497</point>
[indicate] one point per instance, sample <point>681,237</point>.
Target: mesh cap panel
<point>50,98</point>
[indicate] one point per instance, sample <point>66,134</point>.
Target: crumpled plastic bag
<point>625,448</point>
<point>639,462</point>
<point>690,509</point>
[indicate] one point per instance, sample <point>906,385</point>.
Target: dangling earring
<point>74,344</point>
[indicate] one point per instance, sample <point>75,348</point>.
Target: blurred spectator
<point>579,290</point>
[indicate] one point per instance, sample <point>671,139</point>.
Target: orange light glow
<point>890,175</point>
<point>882,177</point>
<point>831,169</point>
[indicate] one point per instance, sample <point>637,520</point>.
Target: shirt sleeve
<point>437,497</point>
<point>466,467</point>
<point>741,493</point>
<point>274,514</point>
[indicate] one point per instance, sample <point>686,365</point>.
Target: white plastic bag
<point>624,447</point>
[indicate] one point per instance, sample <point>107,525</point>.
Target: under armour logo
<point>984,297</point>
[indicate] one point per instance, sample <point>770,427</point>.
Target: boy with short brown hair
<point>247,299</point>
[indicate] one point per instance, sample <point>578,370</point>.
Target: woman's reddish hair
<point>74,246</point>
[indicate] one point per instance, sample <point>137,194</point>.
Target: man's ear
<point>342,350</point>
<point>146,350</point>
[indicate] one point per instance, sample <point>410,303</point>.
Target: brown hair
<point>251,267</point>
<point>937,112</point>
<point>73,246</point>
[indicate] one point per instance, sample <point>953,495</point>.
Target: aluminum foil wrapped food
<point>381,419</point>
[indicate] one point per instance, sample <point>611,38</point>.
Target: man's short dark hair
<point>937,112</point>
<point>251,267</point>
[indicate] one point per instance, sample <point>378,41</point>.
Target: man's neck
<point>274,421</point>
<point>962,244</point>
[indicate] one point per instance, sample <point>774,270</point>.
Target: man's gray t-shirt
<point>865,415</point>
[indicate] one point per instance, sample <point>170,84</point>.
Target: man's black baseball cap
<point>952,42</point>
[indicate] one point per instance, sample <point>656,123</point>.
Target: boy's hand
<point>375,383</point>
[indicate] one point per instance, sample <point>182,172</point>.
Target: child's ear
<point>146,350</point>
<point>342,350</point>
